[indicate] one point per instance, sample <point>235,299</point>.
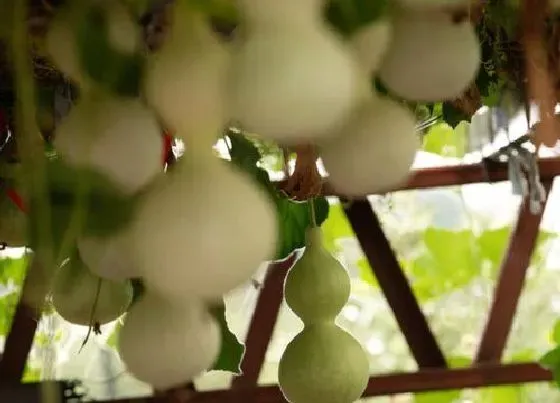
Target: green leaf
<point>294,220</point>
<point>493,244</point>
<point>437,397</point>
<point>293,217</point>
<point>116,71</point>
<point>12,270</point>
<point>451,260</point>
<point>336,226</point>
<point>443,140</point>
<point>502,394</point>
<point>452,116</point>
<point>8,305</point>
<point>101,207</point>
<point>348,16</point>
<point>551,360</point>
<point>232,351</point>
<point>113,338</point>
<point>366,272</point>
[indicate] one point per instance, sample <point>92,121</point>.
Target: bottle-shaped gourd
<point>292,79</point>
<point>323,363</point>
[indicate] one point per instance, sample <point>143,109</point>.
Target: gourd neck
<point>278,14</point>
<point>314,237</point>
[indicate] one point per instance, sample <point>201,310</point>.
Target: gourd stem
<point>312,212</point>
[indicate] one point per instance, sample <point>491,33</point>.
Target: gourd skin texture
<point>430,58</point>
<point>317,287</point>
<point>203,229</point>
<point>61,47</point>
<point>120,137</point>
<point>109,257</point>
<point>281,87</point>
<point>166,345</point>
<point>75,292</point>
<point>371,43</point>
<point>323,364</point>
<point>186,79</point>
<point>375,151</point>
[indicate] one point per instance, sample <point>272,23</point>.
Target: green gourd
<point>323,363</point>
<point>82,298</point>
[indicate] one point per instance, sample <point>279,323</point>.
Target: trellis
<point>487,368</point>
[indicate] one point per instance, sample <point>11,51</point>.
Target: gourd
<point>431,57</point>
<point>166,345</point>
<point>185,81</point>
<point>61,45</point>
<point>323,363</point>
<point>434,5</point>
<point>371,42</point>
<point>120,137</point>
<point>292,79</point>
<point>375,151</point>
<point>108,257</point>
<point>83,298</point>
<point>62,48</point>
<point>203,229</point>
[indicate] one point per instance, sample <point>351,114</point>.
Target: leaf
<point>293,217</point>
<point>366,272</point>
<point>8,305</point>
<point>113,338</point>
<point>492,244</point>
<point>12,270</point>
<point>437,397</point>
<point>116,71</point>
<point>232,351</point>
<point>336,226</point>
<point>451,260</point>
<point>551,360</point>
<point>294,220</point>
<point>348,16</point>
<point>443,140</point>
<point>452,116</point>
<point>502,394</point>
<point>103,208</point>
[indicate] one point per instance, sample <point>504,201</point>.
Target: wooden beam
<point>455,175</point>
<point>31,392</point>
<point>394,285</point>
<point>515,263</point>
<point>22,331</point>
<point>392,384</point>
<point>263,323</point>
<point>18,344</point>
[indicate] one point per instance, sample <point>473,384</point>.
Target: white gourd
<point>292,79</point>
<point>120,137</point>
<point>62,48</point>
<point>185,80</point>
<point>108,257</point>
<point>204,229</point>
<point>375,151</point>
<point>61,45</point>
<point>371,42</point>
<point>431,57</point>
<point>83,298</point>
<point>167,345</point>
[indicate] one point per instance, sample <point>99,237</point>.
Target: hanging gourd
<point>167,345</point>
<point>431,57</point>
<point>83,298</point>
<point>185,80</point>
<point>374,151</point>
<point>323,363</point>
<point>119,137</point>
<point>202,229</point>
<point>292,79</point>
